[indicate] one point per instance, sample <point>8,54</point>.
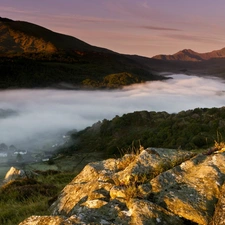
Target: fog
<point>47,112</point>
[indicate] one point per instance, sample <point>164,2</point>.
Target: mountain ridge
<point>31,38</point>
<point>32,56</point>
<point>190,55</point>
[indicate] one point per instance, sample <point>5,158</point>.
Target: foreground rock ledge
<point>156,186</point>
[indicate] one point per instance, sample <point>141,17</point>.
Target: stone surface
<point>191,190</point>
<point>93,183</point>
<point>219,214</point>
<point>144,212</point>
<point>15,173</point>
<point>156,186</point>
<point>43,220</point>
<point>149,163</point>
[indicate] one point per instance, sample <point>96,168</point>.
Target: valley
<point>70,110</point>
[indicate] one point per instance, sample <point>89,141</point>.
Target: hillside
<point>147,182</point>
<point>33,56</point>
<point>192,129</point>
<point>17,37</point>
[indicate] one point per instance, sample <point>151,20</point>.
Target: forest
<point>199,128</point>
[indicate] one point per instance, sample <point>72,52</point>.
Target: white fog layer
<point>43,112</point>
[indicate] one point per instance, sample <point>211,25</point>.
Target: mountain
<point>33,56</point>
<point>189,55</point>
<point>18,37</point>
<point>187,62</point>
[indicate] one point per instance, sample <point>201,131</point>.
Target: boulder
<point>156,186</point>
<point>14,174</point>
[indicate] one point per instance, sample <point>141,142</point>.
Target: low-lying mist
<point>43,114</point>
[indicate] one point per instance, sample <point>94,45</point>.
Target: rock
<point>157,186</point>
<point>15,173</point>
<point>149,163</point>
<point>43,220</point>
<point>191,190</point>
<point>145,212</point>
<point>219,214</point>
<point>94,182</point>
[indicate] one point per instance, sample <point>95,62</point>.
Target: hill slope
<point>33,56</point>
<point>18,37</point>
<point>191,129</point>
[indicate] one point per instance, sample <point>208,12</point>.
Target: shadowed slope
<point>33,56</point>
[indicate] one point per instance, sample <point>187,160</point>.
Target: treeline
<point>192,129</point>
<point>83,70</point>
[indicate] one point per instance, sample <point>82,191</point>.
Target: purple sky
<point>143,27</point>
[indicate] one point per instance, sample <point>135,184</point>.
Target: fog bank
<point>43,112</point>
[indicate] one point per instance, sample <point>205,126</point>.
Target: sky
<point>44,113</point>
<point>142,27</point>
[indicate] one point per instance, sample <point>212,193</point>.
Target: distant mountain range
<point>34,57</point>
<point>189,55</point>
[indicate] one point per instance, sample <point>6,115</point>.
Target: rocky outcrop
<point>156,186</point>
<point>14,174</point>
<point>192,189</point>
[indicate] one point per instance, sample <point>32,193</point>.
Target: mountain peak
<point>187,51</point>
<point>2,19</point>
<point>190,55</point>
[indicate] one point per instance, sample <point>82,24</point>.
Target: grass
<point>20,199</point>
<point>220,146</point>
<point>14,211</point>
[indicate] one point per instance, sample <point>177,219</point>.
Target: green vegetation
<point>192,129</point>
<point>20,199</point>
<point>113,81</point>
<point>90,70</point>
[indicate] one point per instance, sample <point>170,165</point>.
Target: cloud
<point>159,28</point>
<point>43,114</point>
<point>13,10</point>
<point>16,12</point>
<point>194,38</point>
<point>83,18</point>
